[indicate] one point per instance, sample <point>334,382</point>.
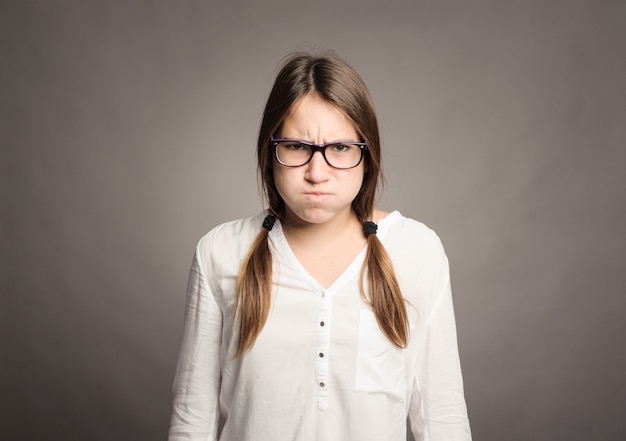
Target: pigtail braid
<point>384,293</point>
<point>254,292</point>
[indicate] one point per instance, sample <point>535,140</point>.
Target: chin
<point>315,218</point>
<point>316,215</point>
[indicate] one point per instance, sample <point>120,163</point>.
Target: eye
<point>341,148</point>
<point>295,146</point>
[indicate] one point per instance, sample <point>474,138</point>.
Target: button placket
<point>323,317</point>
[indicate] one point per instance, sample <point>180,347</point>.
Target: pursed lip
<point>316,195</point>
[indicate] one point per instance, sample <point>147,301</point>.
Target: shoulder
<point>399,232</point>
<point>418,257</point>
<point>229,241</point>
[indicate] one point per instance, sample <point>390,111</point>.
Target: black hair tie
<point>268,222</point>
<point>369,228</point>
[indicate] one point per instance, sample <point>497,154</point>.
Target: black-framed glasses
<point>296,153</point>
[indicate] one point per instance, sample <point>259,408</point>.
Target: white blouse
<point>320,369</point>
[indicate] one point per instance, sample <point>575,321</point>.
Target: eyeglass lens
<point>295,154</point>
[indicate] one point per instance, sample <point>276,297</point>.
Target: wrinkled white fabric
<point>320,369</point>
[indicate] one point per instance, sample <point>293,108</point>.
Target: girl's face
<point>317,193</point>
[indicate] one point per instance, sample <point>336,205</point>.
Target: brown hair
<point>333,80</point>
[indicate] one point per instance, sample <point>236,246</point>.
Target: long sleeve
<point>437,410</point>
<point>195,412</point>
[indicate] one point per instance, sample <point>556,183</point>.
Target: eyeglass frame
<point>318,148</point>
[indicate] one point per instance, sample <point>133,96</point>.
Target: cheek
<point>356,183</point>
<point>282,180</point>
<point>277,181</point>
<point>361,175</point>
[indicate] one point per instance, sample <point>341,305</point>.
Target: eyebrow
<point>312,143</point>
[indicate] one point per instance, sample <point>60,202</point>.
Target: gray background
<point>128,131</point>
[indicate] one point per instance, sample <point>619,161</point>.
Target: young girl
<point>321,318</point>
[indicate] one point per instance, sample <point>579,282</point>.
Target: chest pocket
<point>380,364</point>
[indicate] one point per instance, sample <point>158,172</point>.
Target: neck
<point>297,230</point>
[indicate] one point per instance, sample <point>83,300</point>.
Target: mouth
<point>316,195</point>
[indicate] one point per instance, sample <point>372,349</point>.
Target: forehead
<point>315,119</point>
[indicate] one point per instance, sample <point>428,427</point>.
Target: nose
<point>317,168</point>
